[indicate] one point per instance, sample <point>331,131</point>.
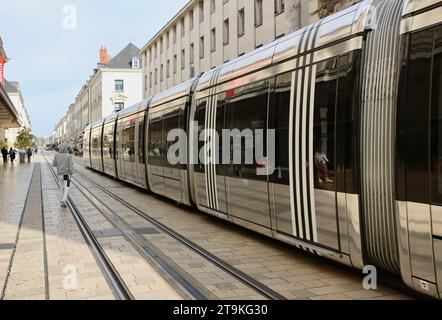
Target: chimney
<point>104,57</point>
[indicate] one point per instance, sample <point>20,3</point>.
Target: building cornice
<point>168,25</point>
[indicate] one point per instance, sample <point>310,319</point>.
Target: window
<point>108,141</point>
<point>162,73</point>
<point>174,34</point>
<point>150,79</point>
<point>183,59</point>
<point>161,45</point>
<point>156,50</point>
<point>141,138</point>
<point>167,40</point>
<point>248,111</point>
<point>202,47</point>
<point>212,6</point>
<point>128,140</point>
<point>156,76</point>
<point>118,106</point>
<point>168,69</point>
<point>135,63</point>
<point>213,40</point>
<point>119,86</point>
<point>191,21</point>
<point>241,22</point>
<point>279,6</point>
<point>258,13</point>
<point>324,125</point>
<point>145,83</point>
<point>436,123</point>
<point>175,64</point>
<point>226,32</point>
<point>201,10</point>
<point>279,121</point>
<point>191,54</point>
<point>156,142</point>
<point>150,54</point>
<point>183,31</point>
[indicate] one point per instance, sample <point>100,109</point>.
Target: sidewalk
<point>42,252</point>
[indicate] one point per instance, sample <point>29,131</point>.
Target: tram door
<point>247,187</point>
<point>315,127</point>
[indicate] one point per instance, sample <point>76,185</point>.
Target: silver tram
<point>356,104</point>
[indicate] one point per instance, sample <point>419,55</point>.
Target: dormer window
<point>135,63</point>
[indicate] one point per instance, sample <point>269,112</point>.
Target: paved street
<point>44,255</point>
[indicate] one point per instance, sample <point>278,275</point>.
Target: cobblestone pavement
<point>47,258</point>
<point>287,270</point>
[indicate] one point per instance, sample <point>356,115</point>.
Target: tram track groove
<point>115,281</point>
<point>244,278</point>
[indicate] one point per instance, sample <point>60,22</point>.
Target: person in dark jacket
<point>5,155</point>
<point>12,154</point>
<point>29,154</point>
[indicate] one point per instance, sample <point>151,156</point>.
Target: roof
<point>12,86</point>
<point>123,60</point>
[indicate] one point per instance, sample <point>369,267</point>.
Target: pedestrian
<point>5,155</point>
<point>65,169</point>
<point>29,154</point>
<point>22,155</point>
<point>36,151</point>
<point>12,154</point>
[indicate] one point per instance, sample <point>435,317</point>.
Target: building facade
<point>207,33</point>
<point>14,92</point>
<point>13,114</point>
<point>116,83</point>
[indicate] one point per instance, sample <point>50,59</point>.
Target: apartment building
<point>207,33</point>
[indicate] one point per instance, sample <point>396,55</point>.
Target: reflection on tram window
<point>279,121</point>
<point>248,111</point>
<point>200,117</point>
<point>140,140</point>
<point>108,141</point>
<point>128,141</point>
<point>436,123</point>
<point>155,142</point>
<point>324,124</point>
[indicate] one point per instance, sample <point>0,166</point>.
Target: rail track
<point>247,280</point>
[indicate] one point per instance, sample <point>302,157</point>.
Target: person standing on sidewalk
<point>29,154</point>
<point>65,169</point>
<point>5,155</point>
<point>12,154</point>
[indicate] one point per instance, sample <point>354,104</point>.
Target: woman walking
<point>65,168</point>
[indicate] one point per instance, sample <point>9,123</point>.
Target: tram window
<point>324,125</point>
<point>279,121</point>
<point>418,101</point>
<point>220,125</point>
<point>128,141</point>
<point>108,141</point>
<point>200,116</point>
<point>140,140</point>
<point>96,142</point>
<point>155,142</point>
<point>436,123</point>
<point>248,110</point>
<point>171,122</point>
<point>346,123</point>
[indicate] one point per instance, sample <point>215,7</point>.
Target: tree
<point>24,139</point>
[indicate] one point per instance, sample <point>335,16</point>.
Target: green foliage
<point>24,140</point>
